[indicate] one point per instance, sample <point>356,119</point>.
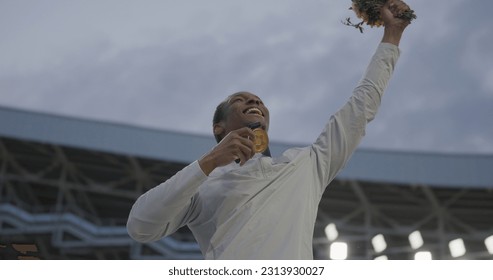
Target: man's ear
<point>218,130</point>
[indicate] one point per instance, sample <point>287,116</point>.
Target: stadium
<point>67,185</point>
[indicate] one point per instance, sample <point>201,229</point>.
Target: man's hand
<point>394,26</point>
<point>238,144</point>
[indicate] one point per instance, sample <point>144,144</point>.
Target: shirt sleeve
<point>346,127</point>
<point>167,207</point>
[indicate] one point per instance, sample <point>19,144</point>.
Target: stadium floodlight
<point>378,242</point>
<point>331,232</point>
<point>381,258</point>
<point>338,251</point>
<point>489,244</point>
<point>423,256</point>
<point>415,239</point>
<point>457,247</point>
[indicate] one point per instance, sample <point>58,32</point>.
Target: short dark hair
<point>219,115</point>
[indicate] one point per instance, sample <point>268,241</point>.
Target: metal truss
<point>73,237</point>
<point>73,204</point>
<point>361,210</point>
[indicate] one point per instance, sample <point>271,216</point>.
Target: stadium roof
<point>414,168</point>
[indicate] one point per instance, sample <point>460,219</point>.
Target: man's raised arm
<point>346,128</point>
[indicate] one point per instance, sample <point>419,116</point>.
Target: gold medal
<point>261,141</point>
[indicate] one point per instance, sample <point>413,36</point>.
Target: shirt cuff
<point>196,171</point>
<point>389,47</point>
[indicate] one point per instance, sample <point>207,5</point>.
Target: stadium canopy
<point>400,167</point>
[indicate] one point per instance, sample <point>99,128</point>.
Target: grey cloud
<point>167,65</point>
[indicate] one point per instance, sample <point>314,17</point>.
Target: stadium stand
<point>67,185</point>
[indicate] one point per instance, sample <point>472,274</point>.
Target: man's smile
<point>253,111</point>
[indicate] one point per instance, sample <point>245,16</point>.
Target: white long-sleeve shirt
<point>267,208</point>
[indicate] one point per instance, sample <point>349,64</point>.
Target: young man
<point>245,205</point>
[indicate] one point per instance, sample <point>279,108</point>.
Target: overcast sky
<point>167,64</point>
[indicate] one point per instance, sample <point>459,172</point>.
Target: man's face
<point>244,108</point>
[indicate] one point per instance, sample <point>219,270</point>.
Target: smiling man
<point>244,204</point>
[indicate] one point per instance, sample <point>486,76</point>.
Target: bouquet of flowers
<point>369,12</point>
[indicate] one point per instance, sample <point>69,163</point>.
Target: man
<point>245,205</point>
